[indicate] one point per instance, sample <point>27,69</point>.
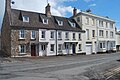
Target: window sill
<point>59,39</point>
<point>33,38</point>
<point>66,39</point>
<point>22,53</point>
<point>80,39</point>
<point>21,38</point>
<point>80,50</point>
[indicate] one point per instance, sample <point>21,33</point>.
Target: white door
<point>88,49</point>
<point>43,49</point>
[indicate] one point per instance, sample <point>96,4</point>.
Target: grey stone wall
<point>15,42</point>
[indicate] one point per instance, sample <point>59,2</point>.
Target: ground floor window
<point>102,45</point>
<point>59,47</point>
<point>42,47</point>
<point>22,48</point>
<point>80,47</point>
<point>52,47</point>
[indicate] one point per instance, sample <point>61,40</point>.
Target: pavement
<point>77,67</point>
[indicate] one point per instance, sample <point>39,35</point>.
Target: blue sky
<point>64,7</point>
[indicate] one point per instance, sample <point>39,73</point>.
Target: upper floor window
<point>60,23</point>
<point>73,36</point>
<point>45,21</point>
<point>25,19</point>
<point>42,34</point>
<point>111,25</point>
<point>100,23</point>
<point>87,20</point>
<point>67,35</point>
<point>33,34</point>
<point>93,21</point>
<point>106,34</point>
<point>79,36</point>
<point>106,24</point>
<point>78,19</point>
<point>87,34</point>
<point>22,49</point>
<point>22,34</point>
<point>93,33</point>
<point>101,33</point>
<point>72,24</point>
<point>111,34</point>
<point>59,35</point>
<point>52,47</point>
<point>52,35</point>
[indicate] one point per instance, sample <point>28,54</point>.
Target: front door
<point>73,49</point>
<point>33,50</point>
<point>43,48</point>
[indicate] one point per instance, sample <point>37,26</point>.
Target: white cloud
<point>57,6</point>
<point>88,0</point>
<point>92,5</point>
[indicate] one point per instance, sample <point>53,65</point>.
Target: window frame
<point>52,35</point>
<point>22,49</point>
<point>21,34</point>
<point>25,19</point>
<point>33,31</point>
<point>43,34</point>
<point>52,47</point>
<point>45,21</point>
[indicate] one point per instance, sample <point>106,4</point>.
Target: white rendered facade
<point>62,45</point>
<point>100,32</point>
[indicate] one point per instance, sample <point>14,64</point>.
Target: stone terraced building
<point>26,33</point>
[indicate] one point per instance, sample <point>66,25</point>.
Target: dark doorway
<point>73,48</point>
<point>33,50</point>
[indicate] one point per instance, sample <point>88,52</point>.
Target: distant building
<point>118,41</point>
<point>100,32</point>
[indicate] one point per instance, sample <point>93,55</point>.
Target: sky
<point>110,8</point>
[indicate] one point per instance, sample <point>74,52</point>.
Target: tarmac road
<point>56,68</point>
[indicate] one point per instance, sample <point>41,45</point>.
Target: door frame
<point>74,48</point>
<point>33,46</point>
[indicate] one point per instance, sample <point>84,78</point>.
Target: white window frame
<point>79,36</point>
<point>111,34</point>
<point>22,46</point>
<point>22,34</point>
<point>106,34</point>
<point>59,35</point>
<point>43,34</point>
<point>101,33</point>
<point>87,20</point>
<point>52,35</point>
<point>78,19</point>
<point>45,21</point>
<point>93,21</point>
<point>93,33</point>
<point>25,19</point>
<point>72,24</point>
<point>74,36</point>
<point>102,45</point>
<point>52,47</point>
<point>60,23</point>
<point>66,35</point>
<point>80,47</point>
<point>87,34</point>
<point>59,47</point>
<point>101,23</point>
<point>111,25</point>
<point>33,33</point>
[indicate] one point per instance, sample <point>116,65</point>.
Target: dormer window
<point>25,19</point>
<point>60,23</point>
<point>45,21</point>
<point>72,24</point>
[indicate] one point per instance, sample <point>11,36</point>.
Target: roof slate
<point>35,21</point>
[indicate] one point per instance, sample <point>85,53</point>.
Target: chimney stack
<point>47,10</point>
<point>74,11</point>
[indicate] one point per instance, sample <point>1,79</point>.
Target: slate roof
<point>35,21</point>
